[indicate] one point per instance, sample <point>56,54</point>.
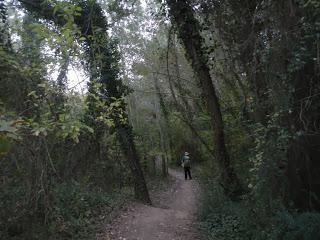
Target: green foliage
<point>64,123</point>
<point>266,74</point>
<point>298,226</point>
<point>112,111</point>
<point>75,212</point>
<point>221,219</point>
<point>8,133</point>
<point>57,143</point>
<point>60,162</point>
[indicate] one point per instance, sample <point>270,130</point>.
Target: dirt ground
<point>172,216</point>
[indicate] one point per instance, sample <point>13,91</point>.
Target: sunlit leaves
<point>112,111</point>
<point>8,133</point>
<point>68,12</point>
<point>63,124</point>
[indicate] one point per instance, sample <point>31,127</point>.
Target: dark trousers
<point>187,173</point>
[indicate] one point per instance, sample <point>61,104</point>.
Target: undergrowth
<point>219,218</point>
<point>72,212</point>
<point>222,219</point>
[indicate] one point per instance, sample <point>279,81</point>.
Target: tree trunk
<point>128,147</point>
<point>189,33</point>
<point>163,130</point>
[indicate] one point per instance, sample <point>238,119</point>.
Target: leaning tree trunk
<point>107,72</point>
<point>128,147</point>
<point>189,32</point>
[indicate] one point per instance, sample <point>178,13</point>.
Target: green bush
<point>219,218</point>
<point>304,226</point>
<point>222,219</point>
<point>69,211</point>
<point>77,212</point>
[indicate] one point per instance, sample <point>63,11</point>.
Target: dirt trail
<point>171,218</point>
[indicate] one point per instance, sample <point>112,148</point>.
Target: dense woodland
<point>98,98</point>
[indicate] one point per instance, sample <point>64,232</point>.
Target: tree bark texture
<point>189,32</point>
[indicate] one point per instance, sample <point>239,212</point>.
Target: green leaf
<point>90,130</point>
<point>78,8</point>
<point>4,145</point>
<point>62,117</point>
<point>32,94</point>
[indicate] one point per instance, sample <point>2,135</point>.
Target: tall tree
<point>103,65</point>
<point>4,34</point>
<point>188,28</point>
<point>273,47</point>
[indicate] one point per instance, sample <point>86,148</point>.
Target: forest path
<point>172,216</point>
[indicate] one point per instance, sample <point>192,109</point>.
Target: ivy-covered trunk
<point>128,147</point>
<point>103,65</point>
<point>189,32</point>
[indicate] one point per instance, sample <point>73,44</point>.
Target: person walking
<point>185,162</point>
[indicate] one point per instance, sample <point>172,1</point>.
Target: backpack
<point>186,161</point>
